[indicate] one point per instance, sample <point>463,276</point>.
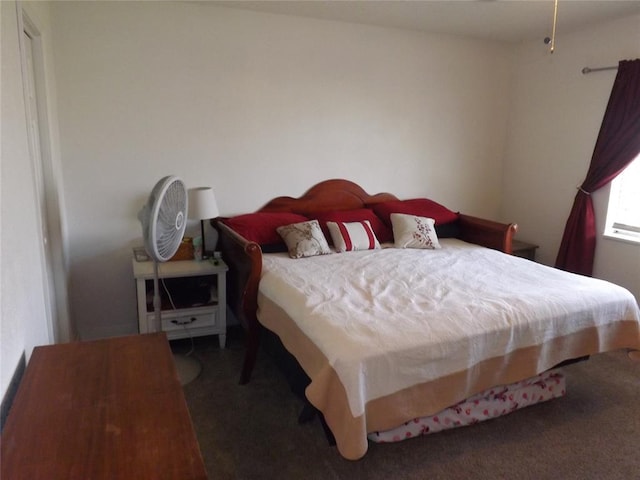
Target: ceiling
<point>499,20</point>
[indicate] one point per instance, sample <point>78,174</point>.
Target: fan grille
<point>167,218</point>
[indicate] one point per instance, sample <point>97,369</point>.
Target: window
<point>623,214</point>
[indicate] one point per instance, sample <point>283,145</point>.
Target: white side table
<point>193,296</point>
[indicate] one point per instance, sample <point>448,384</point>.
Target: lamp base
<point>212,243</point>
<point>188,367</point>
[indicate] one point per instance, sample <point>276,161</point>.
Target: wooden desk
<point>106,409</point>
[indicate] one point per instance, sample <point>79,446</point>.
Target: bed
<point>391,338</point>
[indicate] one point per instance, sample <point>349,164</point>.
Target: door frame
<point>46,185</point>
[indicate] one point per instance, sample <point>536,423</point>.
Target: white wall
<point>554,121</point>
<point>256,105</point>
<point>22,321</point>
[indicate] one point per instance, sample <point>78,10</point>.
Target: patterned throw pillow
<point>304,239</point>
<point>411,231</point>
<point>446,221</point>
<point>351,236</point>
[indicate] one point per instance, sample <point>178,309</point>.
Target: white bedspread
<point>391,318</point>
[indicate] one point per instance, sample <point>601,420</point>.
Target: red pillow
<point>260,227</point>
<point>383,232</point>
<point>421,207</point>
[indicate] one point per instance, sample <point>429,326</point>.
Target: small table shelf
<point>524,249</point>
<point>193,297</point>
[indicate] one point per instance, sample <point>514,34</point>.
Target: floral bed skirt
<point>491,403</point>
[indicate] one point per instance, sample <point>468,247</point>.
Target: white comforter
<point>391,318</point>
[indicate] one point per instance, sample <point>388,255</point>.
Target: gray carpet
<point>251,431</point>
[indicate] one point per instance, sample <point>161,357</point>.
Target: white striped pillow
<point>350,236</point>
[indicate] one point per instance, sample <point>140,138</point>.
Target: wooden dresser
<point>106,409</point>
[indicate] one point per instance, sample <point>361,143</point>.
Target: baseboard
<point>12,389</point>
<point>98,332</point>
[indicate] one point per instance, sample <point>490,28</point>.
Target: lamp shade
<point>202,203</point>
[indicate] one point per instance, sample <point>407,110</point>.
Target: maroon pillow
<point>383,232</point>
<point>422,207</point>
<point>260,227</point>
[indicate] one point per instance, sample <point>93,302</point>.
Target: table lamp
<point>202,206</point>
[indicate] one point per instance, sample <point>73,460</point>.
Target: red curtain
<point>617,145</point>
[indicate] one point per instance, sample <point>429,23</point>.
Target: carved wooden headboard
<point>335,194</point>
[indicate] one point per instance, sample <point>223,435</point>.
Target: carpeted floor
<point>251,431</point>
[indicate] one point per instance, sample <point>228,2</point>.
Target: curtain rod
<point>586,70</point>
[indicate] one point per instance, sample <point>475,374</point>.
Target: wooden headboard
<point>335,194</point>
<point>244,257</point>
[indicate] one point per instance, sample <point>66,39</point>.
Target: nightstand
<point>523,249</point>
<point>193,296</point>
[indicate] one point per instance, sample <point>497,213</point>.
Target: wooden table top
<point>105,409</point>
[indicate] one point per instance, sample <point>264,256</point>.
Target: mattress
<point>392,334</point>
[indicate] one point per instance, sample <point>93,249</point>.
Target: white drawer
<point>172,321</point>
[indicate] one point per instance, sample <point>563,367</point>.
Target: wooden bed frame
<point>244,257</point>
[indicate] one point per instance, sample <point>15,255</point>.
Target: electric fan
<point>164,219</point>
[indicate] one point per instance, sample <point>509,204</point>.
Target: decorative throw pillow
<point>304,239</point>
<point>351,236</point>
<point>382,231</point>
<point>411,231</point>
<point>260,227</point>
<point>446,221</point>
